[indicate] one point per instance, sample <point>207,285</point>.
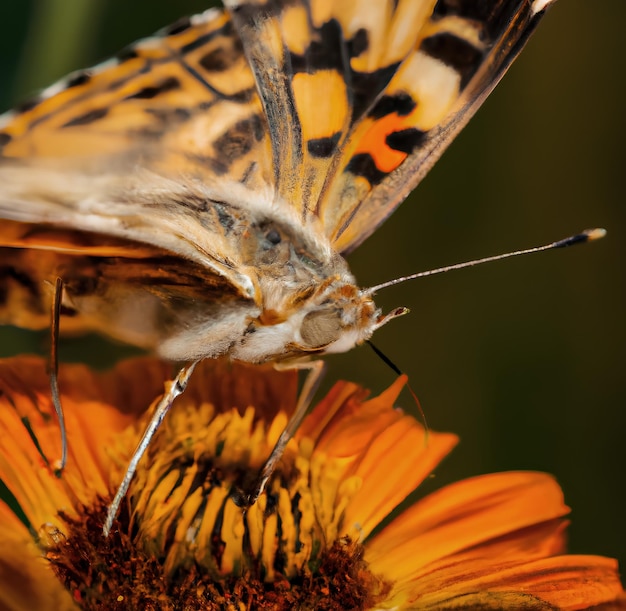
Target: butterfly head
<point>345,318</point>
<point>330,318</point>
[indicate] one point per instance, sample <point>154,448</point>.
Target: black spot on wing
<point>329,50</point>
<point>243,96</point>
<point>165,118</point>
<point>358,43</point>
<point>201,41</point>
<point>127,54</point>
<point>177,27</point>
<point>169,115</point>
<point>256,125</point>
<point>366,86</point>
<point>147,93</point>
<point>401,103</point>
<point>4,140</point>
<point>363,164</point>
<point>323,147</point>
<point>406,140</point>
<point>221,58</point>
<point>494,17</point>
<point>28,104</point>
<point>454,52</point>
<point>77,79</point>
<point>469,9</point>
<point>87,118</point>
<point>219,167</point>
<point>239,139</point>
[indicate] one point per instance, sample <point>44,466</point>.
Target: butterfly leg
<point>316,369</point>
<point>174,388</point>
<point>54,368</point>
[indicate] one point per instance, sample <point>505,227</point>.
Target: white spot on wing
<point>6,118</point>
<point>205,17</point>
<point>540,5</point>
<point>435,86</point>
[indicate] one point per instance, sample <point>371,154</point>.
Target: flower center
<point>182,543</point>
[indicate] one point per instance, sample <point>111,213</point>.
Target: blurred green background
<point>524,359</point>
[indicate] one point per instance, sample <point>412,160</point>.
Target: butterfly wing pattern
<point>197,192</point>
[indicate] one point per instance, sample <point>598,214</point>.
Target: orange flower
<point>491,542</point>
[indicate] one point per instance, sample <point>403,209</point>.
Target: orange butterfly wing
<point>338,108</point>
<point>370,94</point>
<point>319,116</point>
<point>182,101</point>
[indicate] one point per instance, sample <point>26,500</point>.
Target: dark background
<point>524,359</point>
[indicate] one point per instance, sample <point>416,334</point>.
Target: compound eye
<point>320,328</point>
<point>273,237</point>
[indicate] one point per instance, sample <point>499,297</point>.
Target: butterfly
<point>197,194</point>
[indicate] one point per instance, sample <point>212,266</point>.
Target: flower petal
<point>29,432</point>
<point>385,449</point>
<point>26,580</point>
<point>564,582</point>
<point>398,460</point>
<point>463,515</point>
<point>490,542</point>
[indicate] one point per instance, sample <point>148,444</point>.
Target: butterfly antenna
<point>399,372</point>
<point>54,370</point>
<point>580,238</point>
<point>176,387</point>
